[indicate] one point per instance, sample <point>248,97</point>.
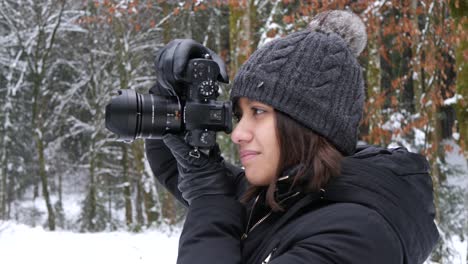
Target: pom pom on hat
<point>346,24</point>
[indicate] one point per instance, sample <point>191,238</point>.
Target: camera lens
<point>131,115</point>
<point>159,115</point>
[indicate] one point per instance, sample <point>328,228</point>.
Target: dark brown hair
<point>320,160</point>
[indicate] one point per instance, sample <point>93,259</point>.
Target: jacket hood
<point>395,183</point>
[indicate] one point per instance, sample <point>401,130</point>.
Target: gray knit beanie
<point>313,76</point>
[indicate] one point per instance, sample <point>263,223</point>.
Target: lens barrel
<point>159,115</point>
<point>131,115</point>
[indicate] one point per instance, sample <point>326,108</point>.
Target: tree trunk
<point>405,58</point>
<point>459,13</point>
<point>373,73</point>
<point>3,184</point>
<point>150,206</point>
<point>241,17</point>
<point>407,95</point>
<point>137,151</point>
<point>60,179</point>
<point>139,202</point>
<point>168,207</point>
<point>144,195</point>
<point>36,187</point>
<point>11,194</point>
<point>127,187</point>
<point>416,40</point>
<point>44,181</point>
<point>91,206</point>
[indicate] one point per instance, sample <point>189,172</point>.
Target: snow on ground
<point>461,248</point>
<point>23,244</point>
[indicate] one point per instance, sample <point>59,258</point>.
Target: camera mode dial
<point>208,88</point>
<point>202,75</point>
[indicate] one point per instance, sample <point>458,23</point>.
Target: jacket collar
<point>287,193</point>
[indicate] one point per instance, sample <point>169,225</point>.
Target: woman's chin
<point>256,178</point>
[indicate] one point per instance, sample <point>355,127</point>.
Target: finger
<point>181,159</point>
<point>223,76</point>
<point>158,89</point>
<point>165,63</point>
<point>176,144</point>
<point>181,152</point>
<point>215,153</point>
<point>188,49</point>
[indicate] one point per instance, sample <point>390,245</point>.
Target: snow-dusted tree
<point>11,78</point>
<point>35,28</point>
<point>123,39</point>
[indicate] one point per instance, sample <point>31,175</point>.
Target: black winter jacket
<point>379,210</point>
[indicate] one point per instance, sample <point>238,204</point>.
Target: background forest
<point>60,60</point>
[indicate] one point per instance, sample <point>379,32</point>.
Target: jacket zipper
<point>247,230</point>
<point>267,259</point>
<point>244,236</point>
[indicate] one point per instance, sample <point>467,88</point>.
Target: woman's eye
<point>257,111</point>
<point>254,111</point>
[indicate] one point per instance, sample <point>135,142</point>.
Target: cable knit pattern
<point>313,77</point>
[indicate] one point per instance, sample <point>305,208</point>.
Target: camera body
<point>203,115</point>
<point>192,109</point>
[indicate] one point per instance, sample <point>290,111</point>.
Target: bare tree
<point>36,26</point>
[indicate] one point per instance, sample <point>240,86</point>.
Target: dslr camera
<point>190,108</point>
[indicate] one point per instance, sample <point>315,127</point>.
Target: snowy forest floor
<point>24,244</point>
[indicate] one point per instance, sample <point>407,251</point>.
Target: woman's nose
<point>241,133</point>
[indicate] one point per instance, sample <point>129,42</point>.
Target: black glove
<point>172,60</point>
<point>199,175</point>
<point>170,68</point>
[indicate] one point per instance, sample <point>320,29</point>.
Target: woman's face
<point>255,135</point>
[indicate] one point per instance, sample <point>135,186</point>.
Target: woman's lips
<point>246,155</point>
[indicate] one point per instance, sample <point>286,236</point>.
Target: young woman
<point>306,193</point>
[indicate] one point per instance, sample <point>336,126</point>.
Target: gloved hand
<point>172,60</point>
<point>171,63</point>
<point>205,175</point>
